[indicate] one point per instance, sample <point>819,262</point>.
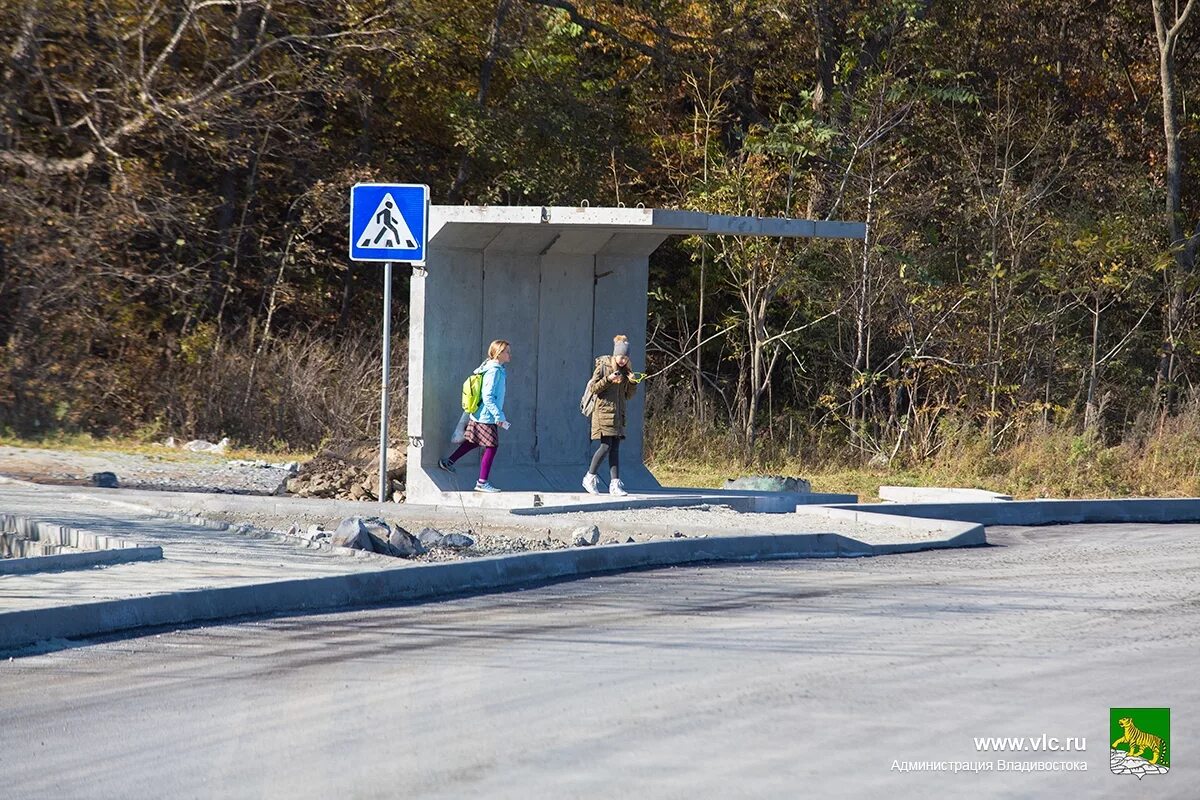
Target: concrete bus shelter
<point>558,283</point>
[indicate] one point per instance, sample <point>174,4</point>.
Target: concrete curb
<point>950,525</point>
<point>938,494</point>
<point>1036,512</point>
<point>745,501</point>
<point>428,582</point>
<point>67,561</point>
<point>98,549</point>
<point>630,504</point>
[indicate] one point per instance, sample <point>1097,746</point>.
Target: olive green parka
<point>608,417</point>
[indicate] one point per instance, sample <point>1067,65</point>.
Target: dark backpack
<point>587,403</point>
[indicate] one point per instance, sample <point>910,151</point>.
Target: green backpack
<point>472,392</point>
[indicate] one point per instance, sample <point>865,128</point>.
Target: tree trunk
<point>1090,410</point>
<point>1167,33</point>
<point>19,58</point>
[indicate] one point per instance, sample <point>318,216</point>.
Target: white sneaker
<point>484,486</point>
<point>591,483</point>
<point>617,489</point>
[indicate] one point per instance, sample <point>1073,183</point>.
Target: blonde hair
<point>496,348</point>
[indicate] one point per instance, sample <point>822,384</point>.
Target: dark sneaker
<point>448,466</point>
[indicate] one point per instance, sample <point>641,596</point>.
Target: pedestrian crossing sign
<point>389,222</point>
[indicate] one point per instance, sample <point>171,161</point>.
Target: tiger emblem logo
<point>1137,741</point>
<point>1137,750</point>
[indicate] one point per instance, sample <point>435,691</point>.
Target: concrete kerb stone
<point>609,505</point>
<point>938,494</point>
<point>1037,512</point>
<point>743,501</point>
<point>253,532</point>
<point>66,561</point>
<point>420,582</point>
<point>97,549</point>
<point>901,521</point>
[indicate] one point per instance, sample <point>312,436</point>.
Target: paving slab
<point>938,494</point>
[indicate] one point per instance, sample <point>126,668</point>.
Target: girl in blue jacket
<point>483,427</point>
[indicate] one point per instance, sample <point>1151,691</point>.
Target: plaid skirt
<point>484,434</point>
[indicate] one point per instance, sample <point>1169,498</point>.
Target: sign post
<point>383,393</point>
<point>388,222</point>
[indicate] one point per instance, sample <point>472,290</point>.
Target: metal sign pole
<point>387,363</point>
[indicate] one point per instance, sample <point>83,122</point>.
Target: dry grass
<point>1155,457</point>
<point>86,443</point>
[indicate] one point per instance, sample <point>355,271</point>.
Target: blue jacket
<point>491,410</point>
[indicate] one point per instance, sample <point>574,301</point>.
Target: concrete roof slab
<point>462,236</point>
<point>468,226</point>
<point>522,239</point>
<point>635,244</point>
<point>580,242</point>
<point>780,226</point>
<point>836,229</point>
<point>491,215</point>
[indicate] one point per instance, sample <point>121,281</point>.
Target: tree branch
<point>599,27</point>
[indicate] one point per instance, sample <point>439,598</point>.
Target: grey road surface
<point>788,679</point>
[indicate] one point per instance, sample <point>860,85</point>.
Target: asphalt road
<point>787,679</point>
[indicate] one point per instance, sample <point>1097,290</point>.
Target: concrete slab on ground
<point>937,494</point>
<point>1042,512</point>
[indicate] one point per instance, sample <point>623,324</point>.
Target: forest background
<point>174,187</point>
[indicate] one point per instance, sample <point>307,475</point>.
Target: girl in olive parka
<point>613,386</point>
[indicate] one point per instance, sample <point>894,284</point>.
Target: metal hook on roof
<point>620,204</point>
<point>641,205</point>
<point>583,203</point>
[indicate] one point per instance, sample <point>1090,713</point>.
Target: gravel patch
<point>708,519</point>
<point>176,471</point>
<point>489,539</point>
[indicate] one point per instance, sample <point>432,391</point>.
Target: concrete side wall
<point>445,328</point>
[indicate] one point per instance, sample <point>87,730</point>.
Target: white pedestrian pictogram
<point>387,228</point>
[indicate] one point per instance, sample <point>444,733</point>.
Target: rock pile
<point>375,535</point>
<point>1122,763</point>
<point>336,478</point>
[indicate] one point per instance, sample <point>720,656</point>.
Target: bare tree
<point>133,85</point>
<point>1169,23</point>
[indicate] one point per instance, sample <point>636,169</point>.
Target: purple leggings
<point>485,464</point>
